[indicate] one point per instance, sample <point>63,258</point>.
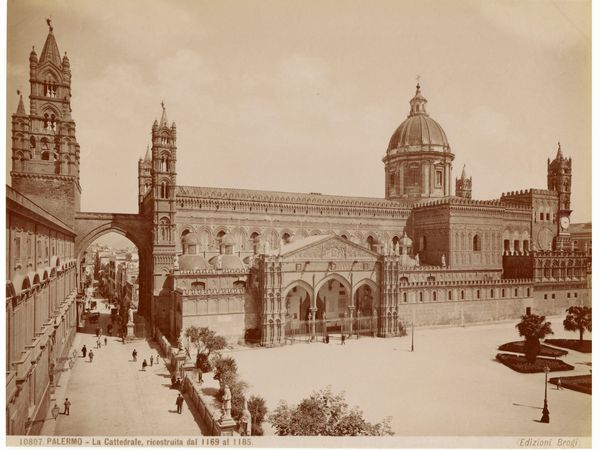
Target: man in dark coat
<point>179,403</point>
<point>84,351</point>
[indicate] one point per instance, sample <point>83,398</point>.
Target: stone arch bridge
<point>138,229</point>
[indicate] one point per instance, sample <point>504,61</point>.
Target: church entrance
<point>333,300</point>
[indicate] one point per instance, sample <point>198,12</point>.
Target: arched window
<point>420,296</point>
<point>404,297</point>
<point>371,242</point>
<point>476,243</point>
<point>478,294</point>
<point>491,293</point>
<point>254,241</point>
<point>462,295</point>
<point>449,295</point>
<point>285,238</point>
<point>45,156</point>
<point>164,190</point>
<point>220,236</point>
<point>434,296</point>
<point>165,229</point>
<point>32,142</point>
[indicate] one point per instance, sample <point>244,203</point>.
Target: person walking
<point>151,360</point>
<point>144,365</point>
<point>343,339</point>
<point>67,404</point>
<point>98,344</point>
<point>105,341</point>
<point>84,350</point>
<point>134,354</point>
<point>91,355</point>
<point>559,385</point>
<point>97,331</point>
<point>179,403</point>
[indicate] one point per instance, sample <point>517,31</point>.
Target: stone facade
<point>276,262</point>
<point>41,309</point>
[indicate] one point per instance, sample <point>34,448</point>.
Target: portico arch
<point>298,297</point>
<point>333,296</point>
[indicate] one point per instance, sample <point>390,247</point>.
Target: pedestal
<point>130,333</point>
<point>228,427</point>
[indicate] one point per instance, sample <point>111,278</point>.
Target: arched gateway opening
<point>127,230</point>
<point>109,270</point>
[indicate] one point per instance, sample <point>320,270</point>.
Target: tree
<point>579,318</point>
<point>533,328</point>
<point>258,410</point>
<point>324,414</point>
<point>97,266</point>
<point>206,342</point>
<point>225,370</point>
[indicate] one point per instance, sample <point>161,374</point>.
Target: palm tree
<point>533,328</point>
<point>579,318</point>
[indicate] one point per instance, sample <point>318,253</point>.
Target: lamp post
<point>545,412</point>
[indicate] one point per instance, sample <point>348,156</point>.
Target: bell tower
<point>163,178</point>
<point>559,181</point>
<point>463,185</point>
<point>45,152</point>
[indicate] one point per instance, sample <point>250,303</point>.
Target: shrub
<point>258,409</point>
<point>521,364</point>
<point>203,363</point>
<point>324,414</point>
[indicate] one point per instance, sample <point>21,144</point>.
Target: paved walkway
<point>451,385</point>
<point>113,396</point>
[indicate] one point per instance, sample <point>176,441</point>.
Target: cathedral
<point>268,266</point>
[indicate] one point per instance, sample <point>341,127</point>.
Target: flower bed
<point>584,346</point>
<point>518,347</point>
<point>520,364</point>
<point>579,383</point>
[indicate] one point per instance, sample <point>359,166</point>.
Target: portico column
<point>313,316</point>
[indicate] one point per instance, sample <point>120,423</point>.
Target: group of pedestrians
<point>152,359</point>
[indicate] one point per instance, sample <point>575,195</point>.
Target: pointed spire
<point>464,172</point>
<point>33,55</point>
<point>163,119</point>
<point>50,51</point>
<point>148,157</point>
<point>21,107</point>
<point>559,154</point>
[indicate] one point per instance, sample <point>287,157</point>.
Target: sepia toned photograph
<point>287,223</point>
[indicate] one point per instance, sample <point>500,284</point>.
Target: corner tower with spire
<point>418,161</point>
<point>464,184</point>
<point>45,152</point>
<point>559,181</point>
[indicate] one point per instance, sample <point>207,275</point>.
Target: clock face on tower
<point>564,223</point>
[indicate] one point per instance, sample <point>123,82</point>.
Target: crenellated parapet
<point>190,197</point>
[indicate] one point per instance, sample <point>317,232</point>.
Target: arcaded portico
<point>319,284</point>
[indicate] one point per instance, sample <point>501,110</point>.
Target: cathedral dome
<point>190,239</point>
<point>193,262</point>
<point>419,129</point>
<point>227,262</point>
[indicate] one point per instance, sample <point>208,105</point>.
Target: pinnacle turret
<point>21,106</point>
<point>50,51</point>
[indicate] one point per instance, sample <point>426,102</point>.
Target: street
<point>113,396</point>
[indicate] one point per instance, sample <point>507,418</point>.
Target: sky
<point>303,96</point>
